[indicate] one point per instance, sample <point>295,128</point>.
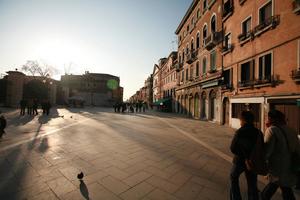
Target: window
<point>237,109</point>
<point>247,72</point>
<point>227,41</point>
<point>198,40</point>
<point>265,67</point>
<point>182,76</point>
<point>227,77</point>
<point>192,72</point>
<point>188,28</point>
<point>204,33</point>
<point>183,57</point>
<point>192,45</point>
<point>204,65</point>
<point>198,14</point>
<point>204,4</point>
<point>213,24</point>
<point>213,56</point>
<point>187,50</point>
<point>197,69</point>
<point>186,74</point>
<point>265,12</point>
<point>246,26</point>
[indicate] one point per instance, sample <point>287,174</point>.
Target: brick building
<point>261,52</point>
<point>169,80</point>
<point>96,89</point>
<point>200,63</point>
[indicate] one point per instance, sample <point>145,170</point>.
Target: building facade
<point>169,80</point>
<point>261,52</point>
<point>95,89</point>
<point>18,86</point>
<point>199,61</point>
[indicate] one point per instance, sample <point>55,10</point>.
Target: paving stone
<point>162,184</point>
<point>158,194</point>
<point>114,185</point>
<point>190,190</point>
<point>136,178</point>
<point>180,178</point>
<point>115,172</point>
<point>47,195</point>
<point>137,192</point>
<point>61,186</point>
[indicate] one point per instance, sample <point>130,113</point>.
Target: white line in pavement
<point>212,149</point>
<point>39,136</point>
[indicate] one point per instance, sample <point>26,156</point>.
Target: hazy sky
<point>121,37</point>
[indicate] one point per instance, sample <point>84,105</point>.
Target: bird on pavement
<point>80,175</point>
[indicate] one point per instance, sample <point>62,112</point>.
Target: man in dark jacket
<point>242,145</point>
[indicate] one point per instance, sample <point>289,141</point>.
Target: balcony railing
<point>212,70</point>
<point>213,39</point>
<point>178,66</point>
<point>246,83</point>
<point>295,75</point>
<point>192,56</point>
<point>271,79</point>
<point>227,8</point>
<point>270,22</point>
<point>244,36</point>
<point>296,6</point>
<point>228,48</point>
<point>226,86</point>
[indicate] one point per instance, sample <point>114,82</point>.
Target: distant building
<point>16,86</point>
<point>96,89</point>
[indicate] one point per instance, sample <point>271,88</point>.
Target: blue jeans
<point>236,171</point>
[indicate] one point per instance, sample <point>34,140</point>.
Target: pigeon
<point>80,175</point>
<point>71,117</point>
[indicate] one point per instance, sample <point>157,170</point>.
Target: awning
<point>161,102</point>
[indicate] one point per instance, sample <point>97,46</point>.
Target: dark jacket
<point>244,141</point>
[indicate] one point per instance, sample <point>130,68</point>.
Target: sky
<point>119,37</point>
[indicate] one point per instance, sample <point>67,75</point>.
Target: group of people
<point>279,145</point>
<point>32,106</point>
<point>130,107</point>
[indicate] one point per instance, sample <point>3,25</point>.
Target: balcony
<point>242,2</point>
<point>268,80</point>
<point>226,86</point>
<point>295,75</point>
<point>227,9</point>
<point>212,70</point>
<point>296,7</point>
<point>227,49</point>
<point>246,83</point>
<point>244,37</point>
<point>191,57</point>
<point>213,39</point>
<point>269,23</point>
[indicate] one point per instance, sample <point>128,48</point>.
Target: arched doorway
<point>196,106</point>
<point>185,104</point>
<point>203,105</point>
<point>35,89</point>
<point>190,112</point>
<point>225,111</point>
<point>212,103</point>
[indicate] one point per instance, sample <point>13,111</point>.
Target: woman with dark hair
<point>281,142</point>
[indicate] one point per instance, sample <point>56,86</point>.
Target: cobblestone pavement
<point>123,156</point>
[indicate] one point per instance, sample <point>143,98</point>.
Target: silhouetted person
<point>2,125</point>
<point>47,107</point>
<point>22,107</point>
<point>34,107</point>
<point>29,106</point>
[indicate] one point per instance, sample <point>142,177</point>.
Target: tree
<point>34,67</point>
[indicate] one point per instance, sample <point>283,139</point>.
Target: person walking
<point>22,107</point>
<point>35,107</point>
<point>281,142</point>
<point>2,125</point>
<point>242,145</point>
<point>29,107</point>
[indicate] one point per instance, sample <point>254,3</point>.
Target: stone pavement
<point>123,156</point>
